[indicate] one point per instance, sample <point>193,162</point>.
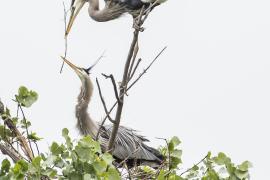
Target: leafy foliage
<point>84,160</point>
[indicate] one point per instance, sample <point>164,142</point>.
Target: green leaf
<point>5,133</point>
<point>241,174</point>
<point>100,166</point>
<point>67,138</point>
<point>176,153</point>
<point>107,158</point>
<point>174,142</point>
<point>33,136</point>
<point>36,162</point>
<point>113,174</point>
<point>75,176</point>
<point>25,123</point>
<point>50,160</point>
<point>88,142</point>
<point>87,177</point>
<point>244,166</point>
<point>25,97</point>
<point>56,149</point>
<point>84,154</point>
<point>222,159</point>
<point>5,167</point>
<point>195,168</point>
<point>161,175</point>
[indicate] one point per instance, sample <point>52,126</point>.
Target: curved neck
<point>109,12</point>
<point>85,124</point>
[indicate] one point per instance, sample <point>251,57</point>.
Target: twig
<point>37,147</point>
<point>20,137</point>
<point>194,165</point>
<point>134,70</point>
<point>144,71</point>
<point>114,85</point>
<point>9,152</point>
<point>103,101</point>
<point>133,59</point>
<point>7,121</point>
<point>26,127</point>
<point>66,39</point>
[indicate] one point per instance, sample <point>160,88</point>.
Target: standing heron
<point>112,9</point>
<point>128,145</point>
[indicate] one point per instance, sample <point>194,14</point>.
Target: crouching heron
<point>112,10</point>
<point>128,145</point>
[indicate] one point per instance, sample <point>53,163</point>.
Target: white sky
<point>210,88</point>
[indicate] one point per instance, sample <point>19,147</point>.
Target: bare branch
<point>134,70</point>
<point>144,71</point>
<point>66,39</point>
<point>26,127</point>
<point>114,85</point>
<point>6,150</point>
<point>124,82</point>
<point>103,101</point>
<point>20,137</point>
<point>133,59</point>
<point>194,165</point>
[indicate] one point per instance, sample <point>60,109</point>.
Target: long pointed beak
<point>74,13</point>
<point>75,68</point>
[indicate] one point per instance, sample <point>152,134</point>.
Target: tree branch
<point>26,149</point>
<point>6,150</point>
<point>135,69</point>
<point>194,165</point>
<point>114,85</point>
<point>124,82</point>
<point>66,39</point>
<point>145,70</point>
<point>103,101</point>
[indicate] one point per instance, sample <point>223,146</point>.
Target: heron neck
<point>109,12</point>
<point>85,124</point>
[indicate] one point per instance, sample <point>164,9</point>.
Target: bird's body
<point>128,145</point>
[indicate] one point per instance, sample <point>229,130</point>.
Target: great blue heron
<point>112,10</point>
<point>128,145</point>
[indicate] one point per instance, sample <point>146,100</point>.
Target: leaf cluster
<point>84,159</point>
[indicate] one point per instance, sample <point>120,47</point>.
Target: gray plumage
<point>128,144</point>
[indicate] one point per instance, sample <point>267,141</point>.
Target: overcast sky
<point>210,87</point>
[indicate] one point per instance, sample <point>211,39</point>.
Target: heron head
<point>81,72</point>
<point>75,8</point>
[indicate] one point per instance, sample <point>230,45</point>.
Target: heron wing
<point>130,145</point>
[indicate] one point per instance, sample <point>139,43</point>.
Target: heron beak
<point>75,68</point>
<point>75,9</point>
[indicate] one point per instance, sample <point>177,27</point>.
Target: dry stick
<point>103,101</point>
<point>18,134</point>
<point>5,149</point>
<point>135,69</point>
<point>123,86</point>
<point>66,43</point>
<point>26,128</point>
<point>114,85</point>
<point>133,59</point>
<point>144,71</point>
<point>194,165</point>
<point>20,137</point>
